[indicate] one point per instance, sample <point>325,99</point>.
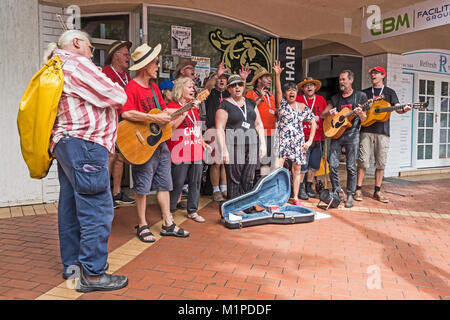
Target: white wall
<point>400,147</point>
<point>19,60</point>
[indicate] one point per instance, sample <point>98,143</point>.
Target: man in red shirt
<point>144,95</point>
<point>317,104</point>
<point>116,68</point>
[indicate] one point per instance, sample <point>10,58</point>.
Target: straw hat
<point>261,72</point>
<point>317,83</point>
<point>143,55</point>
<point>181,65</point>
<point>116,45</point>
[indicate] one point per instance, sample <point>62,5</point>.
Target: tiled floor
<point>398,250</point>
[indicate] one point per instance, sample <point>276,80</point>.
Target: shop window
<point>104,30</point>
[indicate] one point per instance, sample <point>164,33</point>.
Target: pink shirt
<point>87,108</point>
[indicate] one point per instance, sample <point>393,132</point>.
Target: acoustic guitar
<point>138,140</point>
<point>381,111</point>
<point>335,126</point>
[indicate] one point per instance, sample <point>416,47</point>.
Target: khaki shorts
<point>375,143</point>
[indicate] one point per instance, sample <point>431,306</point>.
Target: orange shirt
<point>266,111</point>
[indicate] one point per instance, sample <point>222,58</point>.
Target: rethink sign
<point>437,62</point>
<point>424,15</point>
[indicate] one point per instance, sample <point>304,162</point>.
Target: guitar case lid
<point>271,193</point>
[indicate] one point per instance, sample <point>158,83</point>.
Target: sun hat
<point>234,78</point>
<point>116,45</point>
<point>143,55</point>
<point>261,72</point>
<point>183,63</point>
<point>307,80</point>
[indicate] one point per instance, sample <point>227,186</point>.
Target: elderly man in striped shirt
<point>83,135</point>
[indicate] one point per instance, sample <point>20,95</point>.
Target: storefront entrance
<point>433,124</point>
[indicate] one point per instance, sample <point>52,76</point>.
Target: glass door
<point>433,124</point>
<point>425,124</point>
<point>444,124</point>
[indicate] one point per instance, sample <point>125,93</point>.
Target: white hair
<point>65,39</point>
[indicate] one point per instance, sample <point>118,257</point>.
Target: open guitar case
<point>271,193</point>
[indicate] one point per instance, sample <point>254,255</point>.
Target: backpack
<point>37,114</point>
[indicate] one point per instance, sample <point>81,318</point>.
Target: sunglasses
<point>234,85</point>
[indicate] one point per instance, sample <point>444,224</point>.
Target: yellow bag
<point>37,114</point>
<point>324,168</point>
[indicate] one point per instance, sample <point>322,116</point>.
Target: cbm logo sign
<point>390,24</point>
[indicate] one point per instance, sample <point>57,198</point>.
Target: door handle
<point>436,116</point>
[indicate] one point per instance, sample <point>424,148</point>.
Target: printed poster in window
<point>202,69</point>
<point>181,41</point>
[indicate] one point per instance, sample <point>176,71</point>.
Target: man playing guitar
<point>375,138</point>
<point>144,95</point>
<point>351,99</point>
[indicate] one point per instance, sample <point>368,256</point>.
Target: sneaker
<point>122,198</point>
<point>218,196</point>
<point>225,194</point>
<point>116,205</point>
<point>380,197</point>
<point>358,195</point>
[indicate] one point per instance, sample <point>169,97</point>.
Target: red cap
<point>379,69</point>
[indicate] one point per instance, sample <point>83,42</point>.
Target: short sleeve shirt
<point>351,102</point>
<point>141,99</point>
<point>267,110</point>
<point>391,97</point>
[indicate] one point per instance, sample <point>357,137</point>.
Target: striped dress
<point>87,108</point>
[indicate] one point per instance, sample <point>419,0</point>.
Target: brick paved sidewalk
<point>398,250</point>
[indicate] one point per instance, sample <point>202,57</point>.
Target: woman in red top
<point>186,148</point>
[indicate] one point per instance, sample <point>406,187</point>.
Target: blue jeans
<point>351,144</point>
<point>85,209</point>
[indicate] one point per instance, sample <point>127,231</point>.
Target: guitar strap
<point>155,97</point>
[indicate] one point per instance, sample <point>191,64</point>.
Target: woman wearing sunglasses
<point>290,141</point>
<point>239,129</point>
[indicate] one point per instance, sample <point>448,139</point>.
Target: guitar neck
<point>392,108</point>
<point>182,110</point>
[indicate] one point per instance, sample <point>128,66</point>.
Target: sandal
<point>194,216</point>
<point>170,231</point>
<point>142,236</point>
<point>297,202</point>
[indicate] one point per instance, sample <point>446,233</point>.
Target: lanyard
<point>314,102</point>
<point>125,82</point>
<point>244,112</point>
<point>373,92</point>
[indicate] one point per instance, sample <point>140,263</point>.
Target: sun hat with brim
<point>261,72</point>
<point>317,83</point>
<point>181,65</point>
<point>143,55</point>
<point>116,45</point>
<point>234,79</point>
